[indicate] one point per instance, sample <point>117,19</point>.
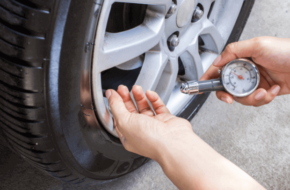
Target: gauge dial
<point>240,77</point>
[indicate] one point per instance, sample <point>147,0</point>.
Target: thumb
<point>117,105</point>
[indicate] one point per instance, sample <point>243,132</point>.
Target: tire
<point>43,47</point>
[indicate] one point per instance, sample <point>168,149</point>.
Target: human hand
<point>272,57</point>
<point>184,157</point>
<point>143,132</point>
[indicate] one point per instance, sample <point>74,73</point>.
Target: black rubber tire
<point>42,48</point>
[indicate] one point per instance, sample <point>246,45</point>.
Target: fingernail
<point>260,95</point>
<point>226,100</point>
<point>217,60</point>
<point>108,94</point>
<point>122,86</point>
<point>276,90</point>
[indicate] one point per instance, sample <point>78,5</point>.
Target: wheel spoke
<point>168,79</point>
<point>124,46</point>
<point>215,11</point>
<point>213,45</point>
<point>152,69</point>
<point>207,58</point>
<point>212,38</point>
<point>117,48</point>
<point>192,62</point>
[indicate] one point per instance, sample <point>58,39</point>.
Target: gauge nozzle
<point>191,87</point>
<point>194,87</point>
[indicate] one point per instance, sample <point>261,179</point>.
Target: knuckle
<point>259,41</point>
<point>231,47</point>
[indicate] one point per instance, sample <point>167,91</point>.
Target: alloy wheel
<point>163,49</point>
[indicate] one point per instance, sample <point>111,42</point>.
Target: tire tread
<point>22,111</point>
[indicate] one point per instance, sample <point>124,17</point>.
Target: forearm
<point>192,164</point>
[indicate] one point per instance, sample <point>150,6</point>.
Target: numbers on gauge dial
<point>239,78</point>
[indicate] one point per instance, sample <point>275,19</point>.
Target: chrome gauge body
<point>240,77</point>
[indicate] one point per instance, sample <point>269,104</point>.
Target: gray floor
<point>256,139</point>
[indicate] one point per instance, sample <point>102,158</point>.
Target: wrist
<point>169,147</point>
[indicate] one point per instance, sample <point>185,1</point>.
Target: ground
<point>255,139</point>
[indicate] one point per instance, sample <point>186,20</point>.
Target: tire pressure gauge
<point>239,77</point>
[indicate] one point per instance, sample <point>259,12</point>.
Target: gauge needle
<point>239,76</point>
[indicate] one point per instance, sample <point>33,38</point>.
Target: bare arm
<point>190,163</point>
<point>185,158</point>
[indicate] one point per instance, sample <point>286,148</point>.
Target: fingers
<point>225,97</point>
<point>260,97</point>
<point>117,105</point>
<point>254,99</point>
<point>125,95</point>
<point>242,49</point>
<point>271,94</point>
<point>141,101</point>
<point>156,102</point>
<point>211,73</point>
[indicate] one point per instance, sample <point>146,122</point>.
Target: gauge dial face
<point>240,77</point>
